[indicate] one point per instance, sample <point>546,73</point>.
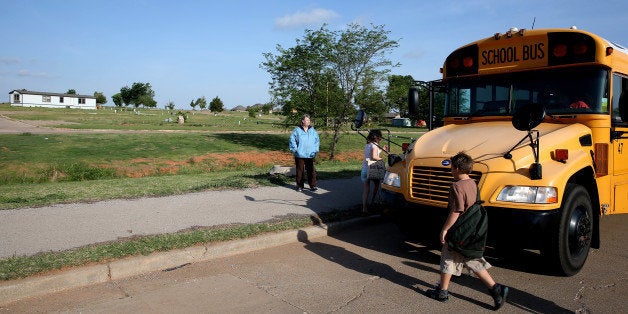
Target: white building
<point>26,98</point>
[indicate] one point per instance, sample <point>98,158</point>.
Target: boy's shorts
<point>452,262</point>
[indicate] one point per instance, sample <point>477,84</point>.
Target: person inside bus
<point>579,102</point>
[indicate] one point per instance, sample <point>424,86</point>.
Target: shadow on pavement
<point>392,243</point>
<point>358,263</point>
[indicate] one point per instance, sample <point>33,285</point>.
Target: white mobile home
<point>26,98</point>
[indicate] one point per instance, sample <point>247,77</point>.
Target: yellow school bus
<point>544,114</point>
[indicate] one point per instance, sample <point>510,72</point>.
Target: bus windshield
<point>582,90</point>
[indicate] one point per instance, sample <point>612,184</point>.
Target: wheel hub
<point>579,233</point>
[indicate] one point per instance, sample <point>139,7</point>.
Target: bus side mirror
<point>359,119</point>
<point>528,116</point>
<point>413,101</point>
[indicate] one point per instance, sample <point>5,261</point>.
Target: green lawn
<point>226,150</point>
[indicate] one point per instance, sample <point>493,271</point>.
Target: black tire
<point>571,239</point>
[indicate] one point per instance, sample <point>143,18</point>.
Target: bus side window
<point>623,106</point>
<point>620,100</point>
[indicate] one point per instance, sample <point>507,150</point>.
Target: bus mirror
<point>413,101</point>
<point>393,159</point>
<point>359,119</point>
<point>528,116</point>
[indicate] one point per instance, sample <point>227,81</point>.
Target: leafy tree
<point>169,105</point>
<point>117,99</point>
<point>71,92</point>
<point>267,108</point>
<point>138,94</point>
<point>253,111</point>
<point>201,103</point>
<point>100,98</point>
<point>216,105</point>
<point>397,93</point>
<point>147,101</point>
<point>192,104</point>
<point>371,98</point>
<point>327,74</point>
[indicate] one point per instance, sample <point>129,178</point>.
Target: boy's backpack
<point>468,234</point>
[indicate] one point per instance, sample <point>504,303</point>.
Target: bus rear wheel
<point>571,239</point>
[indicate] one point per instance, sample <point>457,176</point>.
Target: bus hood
<point>483,140</point>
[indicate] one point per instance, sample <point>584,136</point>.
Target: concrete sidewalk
<point>60,227</point>
<point>28,231</point>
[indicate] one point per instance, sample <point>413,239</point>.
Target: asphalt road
<point>368,269</point>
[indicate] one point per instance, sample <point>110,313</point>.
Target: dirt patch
<point>143,167</point>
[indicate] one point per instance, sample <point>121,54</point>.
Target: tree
<point>397,93</point>
<point>169,105</point>
<point>138,94</point>
<point>371,98</point>
<point>192,104</point>
<point>216,105</point>
<point>71,92</point>
<point>100,98</point>
<point>117,99</point>
<point>201,103</point>
<point>253,111</point>
<point>267,108</point>
<point>147,101</point>
<point>328,71</point>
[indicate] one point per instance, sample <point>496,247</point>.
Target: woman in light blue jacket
<point>304,145</point>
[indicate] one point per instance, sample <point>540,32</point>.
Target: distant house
<point>26,98</point>
<point>390,117</point>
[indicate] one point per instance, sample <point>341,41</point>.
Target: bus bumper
<point>507,227</point>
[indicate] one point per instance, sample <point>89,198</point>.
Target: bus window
<point>459,101</point>
<point>620,100</point>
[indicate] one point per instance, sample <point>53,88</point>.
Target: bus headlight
<point>529,194</point>
<point>392,179</point>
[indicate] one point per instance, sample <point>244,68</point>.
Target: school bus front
<point>543,114</point>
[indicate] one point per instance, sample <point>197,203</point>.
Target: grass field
<point>144,155</point>
<point>153,158</point>
<point>114,118</point>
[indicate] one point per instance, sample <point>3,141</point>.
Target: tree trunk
<point>332,152</point>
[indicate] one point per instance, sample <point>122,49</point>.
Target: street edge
<point>75,277</point>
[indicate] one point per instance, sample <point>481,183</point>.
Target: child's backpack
<point>468,234</point>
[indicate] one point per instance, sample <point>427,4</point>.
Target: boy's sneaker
<point>438,294</point>
<point>299,189</point>
<point>499,293</point>
<point>314,189</point>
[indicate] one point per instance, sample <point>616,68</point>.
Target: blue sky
<point>188,49</point>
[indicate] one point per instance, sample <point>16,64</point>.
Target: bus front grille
<point>432,183</point>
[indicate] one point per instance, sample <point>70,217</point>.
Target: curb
<point>81,276</point>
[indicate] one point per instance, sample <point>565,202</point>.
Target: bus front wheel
<point>571,239</point>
